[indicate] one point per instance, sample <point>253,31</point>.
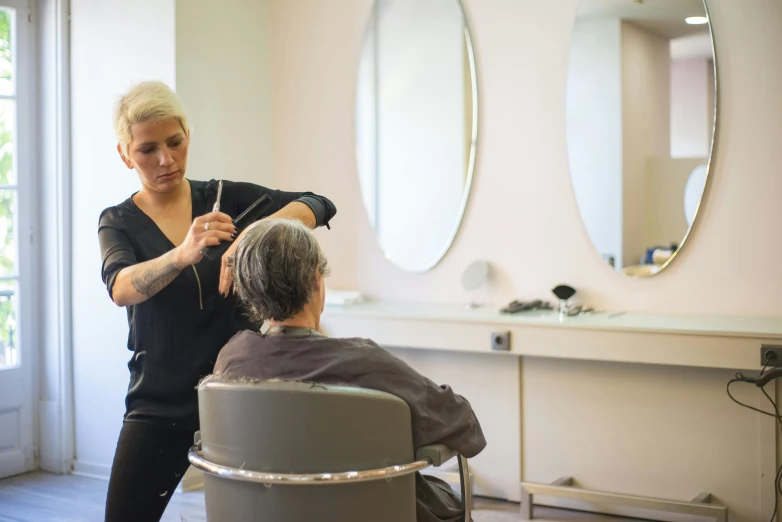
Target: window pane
<point>9,354</point>
<point>6,51</point>
<point>8,243</point>
<point>7,142</point>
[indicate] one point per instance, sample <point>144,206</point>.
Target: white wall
<point>646,105</point>
<point>222,69</point>
<point>114,44</point>
<point>692,109</point>
<point>594,130</point>
<point>522,214</point>
<point>315,69</point>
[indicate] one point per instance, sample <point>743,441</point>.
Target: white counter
<point>623,402</point>
<point>758,327</point>
<point>702,341</point>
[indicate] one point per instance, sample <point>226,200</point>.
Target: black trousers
<point>148,465</point>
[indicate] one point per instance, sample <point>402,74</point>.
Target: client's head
<point>278,273</point>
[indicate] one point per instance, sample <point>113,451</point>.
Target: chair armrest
<point>464,475</point>
<point>437,454</point>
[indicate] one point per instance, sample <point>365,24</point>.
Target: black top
<point>175,335</point>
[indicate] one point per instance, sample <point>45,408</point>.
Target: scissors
<point>216,207</point>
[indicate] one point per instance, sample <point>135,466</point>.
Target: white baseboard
<point>49,438</point>
<point>90,470</point>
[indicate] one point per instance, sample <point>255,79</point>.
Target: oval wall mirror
<point>416,127</point>
<point>641,115</point>
<point>693,191</point>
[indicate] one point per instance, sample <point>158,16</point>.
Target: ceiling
<point>662,17</point>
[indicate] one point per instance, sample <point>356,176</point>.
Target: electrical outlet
<point>770,355</point>
<point>500,341</point>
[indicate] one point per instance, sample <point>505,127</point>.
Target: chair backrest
<point>302,428</point>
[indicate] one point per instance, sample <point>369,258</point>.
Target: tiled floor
<point>40,497</point>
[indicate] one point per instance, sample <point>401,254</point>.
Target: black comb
<point>253,213</point>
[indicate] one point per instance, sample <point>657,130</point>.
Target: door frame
<point>56,425</point>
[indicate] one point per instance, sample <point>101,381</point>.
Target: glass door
<point>16,123</point>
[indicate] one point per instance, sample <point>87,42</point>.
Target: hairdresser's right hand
<point>207,230</point>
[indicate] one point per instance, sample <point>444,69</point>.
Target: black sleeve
<point>245,195</point>
<point>115,247</point>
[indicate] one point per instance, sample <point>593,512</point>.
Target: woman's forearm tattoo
<point>152,277</point>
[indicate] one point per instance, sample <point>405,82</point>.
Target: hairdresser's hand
<point>207,230</point>
<point>226,270</point>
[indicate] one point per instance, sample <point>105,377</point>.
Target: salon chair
<point>298,452</point>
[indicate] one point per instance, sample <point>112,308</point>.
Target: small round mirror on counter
<point>475,276</point>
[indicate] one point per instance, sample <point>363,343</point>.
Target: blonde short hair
<point>146,101</point>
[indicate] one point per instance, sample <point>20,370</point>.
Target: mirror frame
<point>473,145</point>
<point>706,184</point>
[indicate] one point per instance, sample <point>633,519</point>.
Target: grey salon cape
<point>439,416</point>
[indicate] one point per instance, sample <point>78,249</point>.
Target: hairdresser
<point>180,305</point>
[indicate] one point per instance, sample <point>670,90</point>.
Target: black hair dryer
<point>563,293</point>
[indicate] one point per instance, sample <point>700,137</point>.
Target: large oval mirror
<point>641,115</point>
<point>416,127</point>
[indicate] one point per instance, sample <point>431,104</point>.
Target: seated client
<point>278,275</point>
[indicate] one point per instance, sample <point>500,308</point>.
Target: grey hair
<point>275,265</point>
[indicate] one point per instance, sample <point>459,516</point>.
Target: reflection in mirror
<point>640,121</point>
<point>416,127</point>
